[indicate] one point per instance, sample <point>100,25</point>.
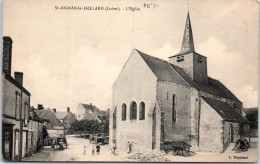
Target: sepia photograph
<point>130,81</point>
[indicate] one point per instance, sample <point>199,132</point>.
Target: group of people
<point>95,150</point>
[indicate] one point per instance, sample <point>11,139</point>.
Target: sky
<point>73,56</point>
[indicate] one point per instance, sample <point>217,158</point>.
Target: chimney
<point>68,109</point>
<point>7,54</point>
<point>18,76</point>
<point>40,107</point>
<point>54,110</point>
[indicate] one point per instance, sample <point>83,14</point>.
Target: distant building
<point>35,132</point>
<point>157,101</point>
<point>15,109</point>
<point>66,119</point>
<point>85,109</point>
<point>48,114</point>
<point>92,116</point>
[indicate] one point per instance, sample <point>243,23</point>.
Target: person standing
<point>98,149</point>
<point>93,150</point>
<point>130,146</point>
<point>114,148</point>
<point>84,150</point>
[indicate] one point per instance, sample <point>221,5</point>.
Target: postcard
<point>130,80</point>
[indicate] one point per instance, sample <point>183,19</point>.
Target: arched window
<point>123,112</point>
<point>173,109</point>
<point>142,111</point>
<point>133,111</point>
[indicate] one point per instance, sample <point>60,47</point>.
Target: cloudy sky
<point>70,57</point>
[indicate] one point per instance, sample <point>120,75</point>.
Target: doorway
<point>7,142</point>
<point>231,134</point>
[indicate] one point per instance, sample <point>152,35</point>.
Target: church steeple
<point>187,42</point>
<point>194,64</point>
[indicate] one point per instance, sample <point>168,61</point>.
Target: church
<point>157,101</point>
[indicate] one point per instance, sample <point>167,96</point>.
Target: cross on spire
<point>187,42</point>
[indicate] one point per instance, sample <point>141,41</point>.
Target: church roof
<point>225,111</point>
<point>162,69</point>
<point>165,71</point>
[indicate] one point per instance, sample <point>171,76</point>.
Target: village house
<point>15,109</point>
<point>155,101</point>
<point>66,119</point>
<point>48,114</point>
<point>35,132</point>
<point>89,112</point>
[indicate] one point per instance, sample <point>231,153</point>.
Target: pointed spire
<point>187,42</point>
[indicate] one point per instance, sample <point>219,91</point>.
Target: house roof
<point>47,114</point>
<point>250,110</point>
<point>90,116</point>
<point>14,82</point>
<point>41,112</point>
<point>60,115</point>
<point>35,117</point>
<point>93,109</point>
<point>225,111</point>
<point>165,71</point>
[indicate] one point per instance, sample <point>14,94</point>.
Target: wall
<point>9,97</point>
<point>226,135</point>
<point>200,68</point>
<point>136,82</point>
<point>35,136</point>
<point>25,110</point>
<point>9,92</point>
<point>196,70</point>
<point>181,129</point>
<point>81,112</point>
<point>68,120</point>
<point>194,119</point>
<point>186,64</point>
<point>211,128</point>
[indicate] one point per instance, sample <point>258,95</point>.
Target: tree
<point>91,126</point>
<point>77,126</point>
<point>104,124</point>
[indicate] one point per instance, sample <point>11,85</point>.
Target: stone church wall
<point>226,133</point>
<point>211,128</point>
<point>180,130</point>
<point>136,82</point>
